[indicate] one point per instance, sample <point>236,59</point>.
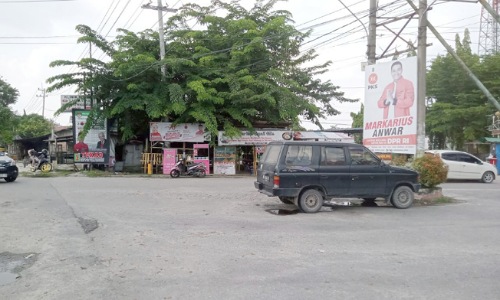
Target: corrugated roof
<point>492,140</point>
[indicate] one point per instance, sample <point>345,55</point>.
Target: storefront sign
<point>322,136</point>
<point>78,100</point>
<point>256,138</point>
<point>185,132</point>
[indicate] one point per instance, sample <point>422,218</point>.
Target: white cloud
<point>25,66</point>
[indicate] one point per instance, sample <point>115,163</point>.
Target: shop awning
<point>492,140</point>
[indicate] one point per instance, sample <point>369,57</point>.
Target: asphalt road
<point>216,238</point>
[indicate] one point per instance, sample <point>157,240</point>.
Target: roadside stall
<point>248,147</point>
<point>181,141</point>
<point>244,150</point>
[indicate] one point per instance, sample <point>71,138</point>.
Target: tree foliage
<point>234,69</point>
<point>357,122</point>
<point>459,111</point>
<point>7,124</point>
<point>8,96</point>
<point>32,126</point>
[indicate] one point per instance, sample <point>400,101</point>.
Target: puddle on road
<point>283,212</point>
<point>7,277</point>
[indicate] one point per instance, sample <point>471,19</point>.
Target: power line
<point>32,1</point>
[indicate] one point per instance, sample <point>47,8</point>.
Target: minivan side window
<point>298,155</point>
<point>332,156</point>
<point>271,155</point>
<point>360,156</point>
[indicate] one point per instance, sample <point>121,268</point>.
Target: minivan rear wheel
<point>402,197</point>
<point>311,201</point>
<point>488,177</point>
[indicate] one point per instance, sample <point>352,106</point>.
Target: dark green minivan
<point>308,173</point>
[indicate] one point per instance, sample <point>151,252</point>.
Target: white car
<point>462,165</point>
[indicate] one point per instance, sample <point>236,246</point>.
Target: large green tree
<point>234,69</point>
<point>32,125</point>
<point>459,111</point>
<point>8,96</point>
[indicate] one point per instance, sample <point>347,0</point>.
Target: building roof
<point>492,140</point>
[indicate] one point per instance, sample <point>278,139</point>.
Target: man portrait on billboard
<point>398,96</point>
<point>103,142</point>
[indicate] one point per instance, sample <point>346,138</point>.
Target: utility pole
<point>43,95</point>
<point>161,31</point>
<point>372,33</point>
<point>91,87</point>
<point>421,74</point>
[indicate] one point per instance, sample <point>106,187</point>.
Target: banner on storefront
<point>256,138</point>
<point>185,132</point>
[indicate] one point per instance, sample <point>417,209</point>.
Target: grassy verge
<point>436,201</point>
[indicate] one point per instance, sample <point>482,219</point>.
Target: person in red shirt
<point>398,96</point>
<point>80,146</point>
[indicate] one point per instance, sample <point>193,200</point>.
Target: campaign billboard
<point>390,114</point>
<point>94,146</point>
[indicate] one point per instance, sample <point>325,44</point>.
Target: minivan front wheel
<point>488,177</point>
<point>402,197</point>
<point>311,201</point>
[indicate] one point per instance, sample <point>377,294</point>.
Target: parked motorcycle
<point>181,168</point>
<point>39,161</point>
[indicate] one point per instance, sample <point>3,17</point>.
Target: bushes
<point>432,170</point>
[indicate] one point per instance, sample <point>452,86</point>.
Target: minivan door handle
<point>355,177</point>
<point>323,176</point>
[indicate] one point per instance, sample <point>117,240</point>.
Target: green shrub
<point>400,161</point>
<point>431,169</point>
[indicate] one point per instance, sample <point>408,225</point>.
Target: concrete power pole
<point>421,73</point>
<point>161,31</point>
<point>43,95</point>
<point>372,33</point>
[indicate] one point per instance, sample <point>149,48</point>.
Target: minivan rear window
<point>271,155</point>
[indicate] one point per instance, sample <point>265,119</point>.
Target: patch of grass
<point>444,200</point>
<point>436,201</point>
<point>97,173</point>
<point>58,173</point>
<point>39,174</point>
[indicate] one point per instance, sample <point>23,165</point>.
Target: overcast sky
<point>34,33</point>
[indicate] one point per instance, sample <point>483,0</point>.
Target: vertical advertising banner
<point>169,159</point>
<point>94,146</point>
<point>225,160</point>
<point>390,114</point>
